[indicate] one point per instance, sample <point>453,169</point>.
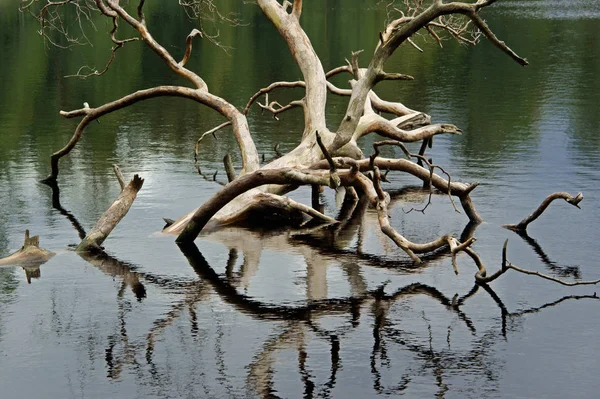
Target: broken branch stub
<point>30,253</point>
<point>111,217</point>
<point>522,225</point>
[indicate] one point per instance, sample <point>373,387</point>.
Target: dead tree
<point>323,157</point>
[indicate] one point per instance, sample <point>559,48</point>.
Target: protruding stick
<point>229,168</point>
<point>119,175</point>
<point>522,225</point>
<point>113,215</point>
<point>188,46</point>
<point>335,179</point>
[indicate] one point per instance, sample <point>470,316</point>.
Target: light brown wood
<point>111,217</point>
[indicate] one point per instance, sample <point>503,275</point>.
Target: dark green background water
<point>79,331</point>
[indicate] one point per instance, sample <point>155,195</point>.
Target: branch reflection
<point>304,320</point>
<point>558,270</point>
<point>401,334</point>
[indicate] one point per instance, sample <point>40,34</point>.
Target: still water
<point>283,315</point>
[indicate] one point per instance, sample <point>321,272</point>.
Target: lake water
<point>284,315</point>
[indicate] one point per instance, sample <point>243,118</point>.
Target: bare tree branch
<point>312,71</point>
<point>113,215</point>
<point>268,89</point>
<point>250,160</point>
<point>188,46</point>
<point>482,278</point>
<point>522,225</point>
<point>396,33</point>
<point>275,108</point>
<point>374,123</point>
<point>297,9</point>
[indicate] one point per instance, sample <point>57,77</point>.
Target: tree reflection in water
<point>402,351</point>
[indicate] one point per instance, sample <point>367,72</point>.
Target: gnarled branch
<point>481,276</point>
<point>250,159</point>
<point>522,225</point>
<point>188,46</point>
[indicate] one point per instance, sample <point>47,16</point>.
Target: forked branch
<point>407,246</point>
<point>481,276</point>
<point>421,158</point>
<point>268,89</point>
<point>460,190</point>
<point>275,108</point>
<point>397,32</point>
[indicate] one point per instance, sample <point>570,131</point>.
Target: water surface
<point>281,315</point>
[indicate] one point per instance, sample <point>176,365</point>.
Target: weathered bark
<point>228,164</point>
<point>389,128</point>
<point>362,100</point>
<point>29,255</point>
<point>256,189</point>
<point>522,225</point>
<point>111,217</point>
<point>284,203</point>
<point>250,159</point>
<point>461,190</point>
<point>112,9</point>
<point>395,34</point>
<point>301,49</point>
<point>259,178</point>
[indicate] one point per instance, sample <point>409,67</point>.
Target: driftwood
<point>361,117</point>
<point>113,215</point>
<point>522,225</point>
<point>29,255</point>
<point>323,157</point>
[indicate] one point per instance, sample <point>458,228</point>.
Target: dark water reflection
<point>335,313</point>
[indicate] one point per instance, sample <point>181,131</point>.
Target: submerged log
<point>29,255</point>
